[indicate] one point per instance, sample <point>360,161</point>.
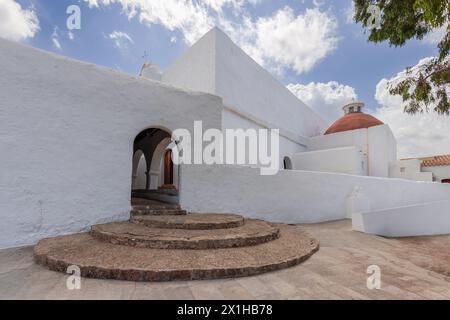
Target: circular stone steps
<point>191,221</point>
<point>98,259</point>
<point>252,233</point>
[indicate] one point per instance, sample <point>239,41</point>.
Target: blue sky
<point>336,49</point>
<point>354,62</point>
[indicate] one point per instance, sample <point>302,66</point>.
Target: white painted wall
<point>288,147</point>
<point>66,139</point>
<point>243,84</point>
<point>195,68</point>
<point>295,196</point>
<point>348,160</point>
<point>382,150</point>
<point>357,138</point>
<point>415,220</point>
<point>377,143</point>
<point>439,172</point>
<point>409,169</point>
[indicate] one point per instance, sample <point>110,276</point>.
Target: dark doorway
<point>168,169</point>
<point>154,176</point>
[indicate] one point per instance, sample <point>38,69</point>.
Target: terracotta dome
<point>352,121</point>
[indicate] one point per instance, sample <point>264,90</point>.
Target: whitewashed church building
<point>77,140</point>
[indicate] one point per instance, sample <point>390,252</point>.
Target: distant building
<point>435,168</point>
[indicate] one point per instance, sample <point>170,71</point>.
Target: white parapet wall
<point>295,196</point>
<point>432,218</point>
<point>409,169</point>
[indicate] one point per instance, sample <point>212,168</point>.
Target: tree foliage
<point>426,85</point>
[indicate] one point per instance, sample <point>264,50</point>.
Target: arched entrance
<point>154,174</point>
<point>287,164</point>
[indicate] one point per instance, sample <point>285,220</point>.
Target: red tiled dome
<point>352,121</point>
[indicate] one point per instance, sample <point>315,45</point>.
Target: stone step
<point>168,196</point>
<point>157,212</point>
<point>190,221</point>
<point>138,202</point>
<point>253,232</point>
<point>98,259</point>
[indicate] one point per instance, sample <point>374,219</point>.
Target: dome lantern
<point>352,107</point>
<point>353,119</point>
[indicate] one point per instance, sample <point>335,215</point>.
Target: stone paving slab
<point>253,232</point>
<point>98,259</point>
<point>191,221</point>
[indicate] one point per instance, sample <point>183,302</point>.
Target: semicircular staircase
<point>161,242</point>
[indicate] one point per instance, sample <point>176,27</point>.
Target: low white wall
<point>348,160</point>
<point>439,173</point>
<point>294,196</point>
<point>415,220</point>
<point>409,169</point>
<point>66,139</point>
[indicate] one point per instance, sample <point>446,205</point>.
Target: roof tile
<point>436,161</point>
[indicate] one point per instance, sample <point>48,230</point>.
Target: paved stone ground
<point>411,268</point>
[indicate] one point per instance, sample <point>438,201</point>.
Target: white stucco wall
<point>195,68</point>
<point>295,196</point>
<point>66,139</point>
<point>382,150</point>
<point>416,220</point>
<point>348,160</point>
<point>243,84</point>
<point>378,143</point>
<point>288,147</point>
<point>409,169</point>
<point>439,172</point>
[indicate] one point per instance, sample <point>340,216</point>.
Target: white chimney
<point>150,71</point>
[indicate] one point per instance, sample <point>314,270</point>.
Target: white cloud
<point>121,39</point>
<point>189,17</point>
<point>17,23</point>
<point>55,39</point>
<point>349,13</point>
<point>326,98</point>
<point>289,41</point>
<point>283,40</point>
<point>419,135</point>
<point>435,36</point>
